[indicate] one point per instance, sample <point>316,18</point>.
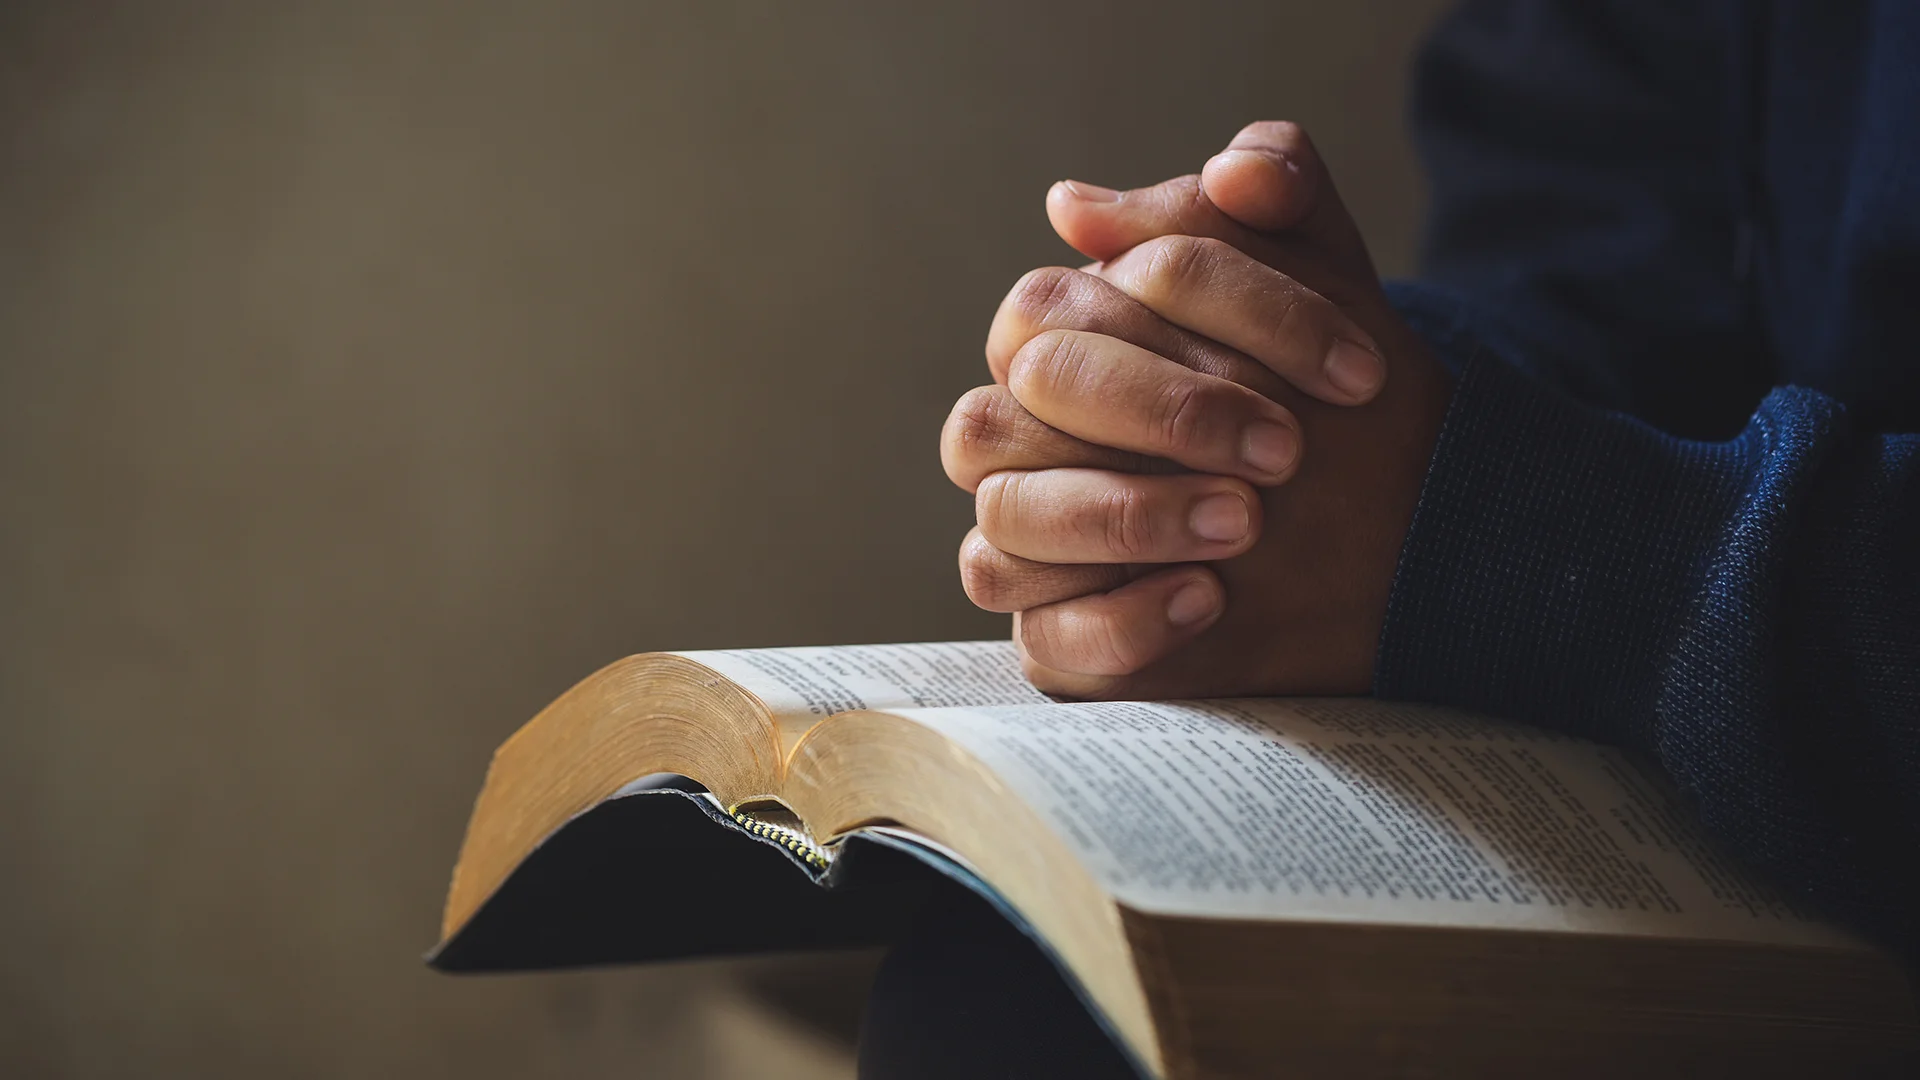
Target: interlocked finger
<point>1113,393</point>
<point>989,431</point>
<point>1056,298</point>
<point>1124,630</point>
<point>1093,516</point>
<point>997,581</point>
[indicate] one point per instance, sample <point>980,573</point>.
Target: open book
<point>1337,887</point>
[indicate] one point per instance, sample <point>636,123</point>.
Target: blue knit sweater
<point>1674,257</point>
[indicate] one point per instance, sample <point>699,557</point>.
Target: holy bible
<point>1311,887</point>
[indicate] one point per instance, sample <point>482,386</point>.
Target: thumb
<point>1271,179</point>
<point>1101,223</point>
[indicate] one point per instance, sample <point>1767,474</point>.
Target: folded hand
<point>1200,454</point>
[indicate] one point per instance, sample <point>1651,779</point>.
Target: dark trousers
<point>967,995</point>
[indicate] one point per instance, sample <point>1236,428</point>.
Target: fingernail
<point>1091,192</point>
<point>1193,602</point>
<point>1219,518</point>
<point>1353,369</point>
<point>1268,158</point>
<point>1268,448</point>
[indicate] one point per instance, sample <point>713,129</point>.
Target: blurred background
<point>371,372</point>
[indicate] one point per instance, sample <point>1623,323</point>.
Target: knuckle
<point>1193,211</point>
<point>1042,641</point>
<point>975,430</point>
<point>1210,249</point>
<point>1050,360</point>
<point>1113,646</point>
<point>1040,294</point>
<point>1179,417</point>
<point>1126,523</point>
<point>1082,642</point>
<point>992,501</point>
<point>981,573</point>
<point>1176,263</point>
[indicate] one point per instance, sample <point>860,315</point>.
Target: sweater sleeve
<point>1746,611</point>
<point>1585,164</point>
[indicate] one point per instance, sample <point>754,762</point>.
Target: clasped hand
<point>1200,454</point>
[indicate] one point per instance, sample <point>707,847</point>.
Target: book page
<point>818,681</point>
<point>1355,810</point>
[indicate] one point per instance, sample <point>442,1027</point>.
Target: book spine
<point>795,841</point>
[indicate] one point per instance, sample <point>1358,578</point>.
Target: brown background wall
<point>369,372</point>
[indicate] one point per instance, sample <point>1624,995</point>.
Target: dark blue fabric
<point>1646,218</point>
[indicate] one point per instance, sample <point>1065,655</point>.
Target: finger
<point>1216,291</point>
<point>989,431</point>
<point>1056,298</point>
<point>1092,516</point>
<point>1271,178</point>
<point>997,581</point>
<point>1100,223</point>
<point>1113,393</point>
<point>1124,630</point>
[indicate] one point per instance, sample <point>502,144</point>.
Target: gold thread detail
<point>793,840</point>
